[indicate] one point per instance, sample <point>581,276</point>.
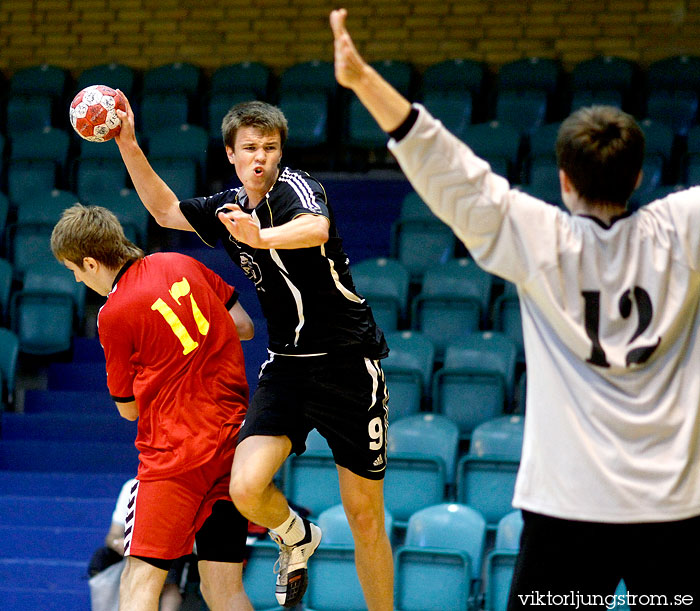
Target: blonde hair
<point>92,231</point>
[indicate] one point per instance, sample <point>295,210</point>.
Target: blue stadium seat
<point>257,575</point>
<point>453,109</point>
<point>477,381</point>
<point>500,561</point>
<point>249,78</point>
<point>499,437</point>
<point>486,483</point>
<point>180,77</point>
<point>114,75</point>
<point>311,481</point>
<point>444,545</point>
<point>28,177</point>
<point>52,277</point>
<point>6,275</point>
<point>453,300</point>
<point>408,371</point>
<point>523,109</point>
<point>426,435</point>
<point>413,481</point>
<point>384,284</point>
<point>44,321</point>
<point>43,79</point>
<point>421,243</point>
<point>99,180</point>
<point>27,113</point>
<point>498,143</point>
<point>156,105</point>
<point>454,75</point>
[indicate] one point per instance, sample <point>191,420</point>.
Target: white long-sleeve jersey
<point>610,324</point>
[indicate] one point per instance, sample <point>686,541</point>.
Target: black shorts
<point>567,564</point>
<point>344,397</point>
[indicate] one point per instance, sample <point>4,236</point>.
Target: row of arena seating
<point>523,96</point>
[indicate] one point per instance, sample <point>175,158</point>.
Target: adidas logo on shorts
<point>379,461</point>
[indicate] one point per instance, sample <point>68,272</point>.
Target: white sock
<point>292,530</point>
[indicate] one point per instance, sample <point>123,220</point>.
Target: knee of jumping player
<point>366,521</point>
<point>247,491</point>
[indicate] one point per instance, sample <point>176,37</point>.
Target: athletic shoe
<point>292,575</point>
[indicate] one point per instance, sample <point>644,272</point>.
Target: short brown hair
<point>267,118</point>
<point>92,231</point>
<point>601,150</point>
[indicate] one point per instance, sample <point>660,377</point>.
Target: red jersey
<point>171,344</point>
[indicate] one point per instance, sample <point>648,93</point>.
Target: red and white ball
<point>93,113</point>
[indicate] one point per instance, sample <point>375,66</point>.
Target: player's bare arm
<point>128,410</point>
<point>304,231</point>
<point>155,194</point>
<point>244,324</point>
<point>386,105</point>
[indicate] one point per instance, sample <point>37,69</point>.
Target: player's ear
<point>231,155</point>
<point>90,264</point>
<point>564,181</point>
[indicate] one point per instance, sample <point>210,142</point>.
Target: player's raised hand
<point>349,65</point>
<point>243,227</point>
<point>128,128</point>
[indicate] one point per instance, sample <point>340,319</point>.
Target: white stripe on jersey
<point>130,518</point>
<point>372,370</point>
<point>302,189</point>
<point>336,279</point>
<point>295,293</point>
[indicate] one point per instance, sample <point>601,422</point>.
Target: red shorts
<point>164,515</point>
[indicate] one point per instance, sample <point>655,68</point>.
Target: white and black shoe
<point>292,574</point>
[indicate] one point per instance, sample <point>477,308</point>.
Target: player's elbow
<point>246,330</point>
<point>320,234</point>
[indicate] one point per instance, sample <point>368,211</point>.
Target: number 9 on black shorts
<point>344,397</point>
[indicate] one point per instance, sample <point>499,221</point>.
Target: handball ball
<point>93,114</point>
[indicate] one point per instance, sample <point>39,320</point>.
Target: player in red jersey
<point>170,330</point>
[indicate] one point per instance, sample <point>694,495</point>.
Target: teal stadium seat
<point>408,371</point>
<point>477,381</point>
<point>500,562</point>
<point>439,565</point>
<point>113,74</point>
<point>453,300</point>
<point>384,284</point>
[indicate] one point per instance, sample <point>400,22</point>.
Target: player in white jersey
<point>610,471</point>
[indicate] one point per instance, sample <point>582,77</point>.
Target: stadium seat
<point>501,436</point>
<point>311,481</point>
<point>174,77</point>
<point>256,576</point>
<point>454,75</point>
<point>44,144</point>
<point>309,76</point>
<point>53,277</point>
<point>426,434</point>
<point>543,181</point>
<point>132,214</point>
<point>604,79</point>
<point>542,141</point>
<point>421,243</point>
<point>500,561</point>
<point>486,483</point>
<point>217,107</point>
<point>99,150</point>
<point>9,355</point>
<point>113,74</point>
<point>453,109</point>
<point>333,563</point>
<point>525,109</point>
<point>157,105</point>
<point>6,276</point>
<point>28,243</point>
<point>43,321</point>
<point>531,74</point>
<point>45,207</point>
<point>444,545</point>
<point>26,113</point>
<point>477,380</point>
<point>362,131</point>
<point>453,300</point>
<point>677,73</point>
<point>413,207</point>
<point>498,143</point>
<point>248,78</point>
<point>597,98</point>
<point>307,114</point>
<point>183,141</point>
<point>27,177</point>
<point>99,180</point>
<point>506,317</point>
<point>408,371</point>
<point>181,175</point>
<point>384,284</point>
<point>44,79</point>
<point>676,109</point>
<point>413,481</point>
